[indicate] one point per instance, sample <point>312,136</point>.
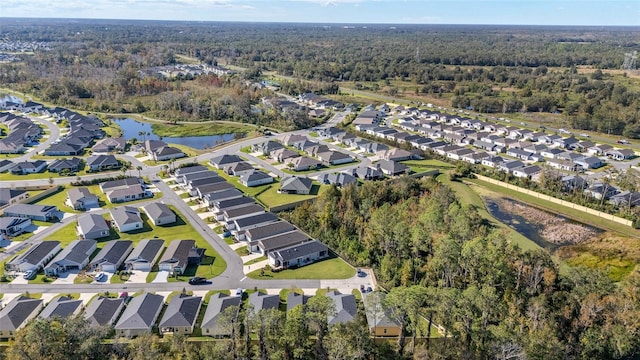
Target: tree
<point>318,309</point>
<point>139,168</point>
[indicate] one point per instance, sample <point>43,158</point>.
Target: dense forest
<point>495,69</point>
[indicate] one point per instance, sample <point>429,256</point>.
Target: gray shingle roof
<point>182,311</point>
<point>92,222</point>
<point>265,231</point>
<point>62,306</point>
<point>112,252</point>
<point>345,306</point>
<point>17,311</point>
<point>77,251</point>
<point>217,304</point>
<point>283,240</point>
<point>36,253</point>
<point>300,250</point>
<point>261,301</point>
<point>124,216</point>
<point>257,219</point>
<point>141,312</point>
<point>178,252</point>
<point>147,249</point>
<point>101,310</point>
<point>157,210</point>
<point>295,183</point>
<point>294,299</point>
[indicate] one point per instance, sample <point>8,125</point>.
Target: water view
<point>132,128</point>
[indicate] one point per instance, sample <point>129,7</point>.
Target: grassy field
<point>334,268</point>
<point>271,197</point>
<point>468,196</point>
<point>212,265</point>
<point>179,130</point>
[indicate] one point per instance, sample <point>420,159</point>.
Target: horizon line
<point>321,23</point>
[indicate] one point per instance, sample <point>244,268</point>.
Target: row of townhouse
<point>22,133</point>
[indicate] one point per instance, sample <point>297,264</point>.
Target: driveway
<point>161,277</point>
<point>19,280</point>
<point>66,278</point>
<point>138,277</point>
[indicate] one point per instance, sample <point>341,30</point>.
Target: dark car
<point>197,280</point>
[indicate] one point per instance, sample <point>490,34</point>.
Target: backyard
<point>333,268</point>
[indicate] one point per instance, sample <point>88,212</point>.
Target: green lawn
<point>251,262</point>
<point>334,268</point>
<point>235,181</point>
<point>337,167</point>
<point>212,265</point>
<point>271,197</point>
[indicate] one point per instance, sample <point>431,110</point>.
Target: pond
<point>540,226</point>
<point>132,128</point>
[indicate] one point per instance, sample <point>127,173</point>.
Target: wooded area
<point>493,69</point>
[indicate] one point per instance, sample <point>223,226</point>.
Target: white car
<point>101,276</point>
<point>584,135</point>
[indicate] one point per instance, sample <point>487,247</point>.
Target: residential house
<point>284,154</point>
<point>108,186</point>
<point>396,154</point>
<point>338,179</point>
<point>5,165</point>
<point>180,254</point>
<point>378,318</point>
<point>620,154</point>
<point>295,299</point>
<point>140,315</point>
<point>13,226</point>
<point>298,255</point>
<point>510,166</point>
<point>475,157</point>
<point>73,257</point>
<point>520,154</point>
<point>218,188</point>
<point>180,316</point>
<point>159,213</point>
<point>102,162</point>
<point>81,199</point>
<point>35,258</point>
<point>188,178</point>
<point>194,183</point>
<point>346,308</point>
<point>551,153</point>
<point>212,197</point>
<point>625,198</point>
<point>111,256</point>
<point>255,178</point>
<point>266,245</point>
<point>493,161</point>
<point>599,150</point>
<point>144,255</point>
<point>303,163</point>
<point>334,158</point>
<point>64,148</point>
<point>92,226</point>
<point>126,218</point>
<point>239,169</point>
<point>131,193</point>
<point>103,311</point>
<point>165,153</point>
<point>28,167</point>
<point>108,145</point>
<point>240,225</point>
<point>12,196</point>
<point>564,165</point>
<point>291,139</point>
<point>530,172</point>
<point>589,162</point>
<point>34,212</point>
<point>392,168</point>
<point>261,301</point>
<point>598,190</point>
<point>296,185</point>
<point>227,216</point>
<point>61,307</point>
<point>220,206</point>
<point>266,148</point>
<point>70,165</point>
<point>262,232</point>
<point>218,304</point>
<point>189,170</point>
<point>17,314</point>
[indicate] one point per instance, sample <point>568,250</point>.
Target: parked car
<point>101,276</point>
<point>197,280</point>
<point>623,141</point>
<point>29,275</point>
<point>239,291</point>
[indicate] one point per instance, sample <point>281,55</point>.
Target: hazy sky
<point>525,12</point>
